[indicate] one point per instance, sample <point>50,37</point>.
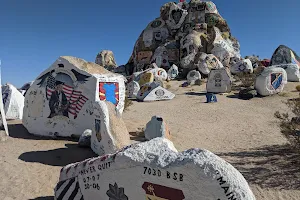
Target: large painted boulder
<point>106,59</point>
<point>109,131</point>
<point>62,100</point>
<point>284,55</point>
<point>13,102</point>
<point>243,66</point>
<point>219,81</point>
<point>154,92</point>
<point>271,81</point>
<point>180,32</point>
<point>207,62</point>
<point>153,170</point>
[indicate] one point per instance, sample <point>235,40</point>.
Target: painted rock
<point>25,87</point>
<point>207,62</point>
<point>244,66</point>
<point>3,122</point>
<point>292,71</point>
<point>176,16</point>
<point>13,102</point>
<point>189,47</point>
<point>85,138</point>
<point>133,89</point>
<point>219,81</point>
<point>153,170</point>
<point>193,76</point>
<point>271,81</point>
<point>147,77</point>
<point>157,127</point>
<point>106,59</point>
<point>284,55</point>
<point>154,92</point>
<point>63,100</point>
<point>109,131</point>
<point>173,72</point>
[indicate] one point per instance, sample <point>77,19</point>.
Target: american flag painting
<point>75,98</point>
<point>109,91</point>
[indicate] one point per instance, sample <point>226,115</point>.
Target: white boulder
<point>133,89</point>
<point>154,92</point>
<point>219,81</point>
<point>157,127</point>
<point>13,102</point>
<point>193,76</point>
<point>244,65</point>
<point>271,81</point>
<point>63,100</point>
<point>153,170</point>
<point>207,62</point>
<point>173,72</point>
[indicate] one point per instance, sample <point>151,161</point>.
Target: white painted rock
<point>157,127</point>
<point>13,102</point>
<point>244,65</point>
<point>219,81</point>
<point>153,170</point>
<point>85,138</point>
<point>133,89</point>
<point>271,81</point>
<point>292,71</point>
<point>109,130</point>
<point>159,73</point>
<point>63,99</point>
<point>207,62</point>
<point>160,57</point>
<point>176,16</point>
<point>173,72</point>
<point>193,76</point>
<point>154,92</point>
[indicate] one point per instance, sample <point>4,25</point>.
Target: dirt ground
<point>244,133</point>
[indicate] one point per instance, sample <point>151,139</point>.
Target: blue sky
<point>34,33</point>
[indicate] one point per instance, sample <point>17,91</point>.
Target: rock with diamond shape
<point>271,81</point>
<point>153,170</point>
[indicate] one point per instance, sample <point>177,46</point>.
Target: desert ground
<point>244,133</point>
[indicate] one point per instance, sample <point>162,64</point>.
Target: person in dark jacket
<point>58,102</point>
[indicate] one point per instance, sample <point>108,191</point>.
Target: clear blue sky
<point>34,33</point>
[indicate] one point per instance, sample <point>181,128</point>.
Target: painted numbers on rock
<point>169,175</point>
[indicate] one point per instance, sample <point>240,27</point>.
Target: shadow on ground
<point>43,198</point>
<point>59,157</point>
<point>17,130</point>
<point>269,167</point>
<point>196,93</point>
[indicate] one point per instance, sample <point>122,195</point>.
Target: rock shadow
<point>59,157</point>
<point>196,93</point>
<point>44,198</point>
<point>274,166</point>
<point>19,131</point>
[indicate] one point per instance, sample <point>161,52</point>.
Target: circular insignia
<point>160,93</point>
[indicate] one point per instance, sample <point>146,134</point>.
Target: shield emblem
<point>276,80</point>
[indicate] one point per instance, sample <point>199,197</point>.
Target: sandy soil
<point>244,133</point>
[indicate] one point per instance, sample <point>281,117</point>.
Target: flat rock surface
<point>244,133</point>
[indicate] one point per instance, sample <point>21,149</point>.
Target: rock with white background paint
<point>85,138</point>
<point>244,65</point>
<point>133,89</point>
<point>109,131</point>
<point>154,92</point>
<point>173,72</point>
<point>63,100</point>
<point>219,81</point>
<point>157,127</point>
<point>13,102</point>
<point>155,170</point>
<point>193,76</point>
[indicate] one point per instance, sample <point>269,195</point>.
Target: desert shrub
<point>290,122</point>
<point>246,80</point>
<point>128,103</point>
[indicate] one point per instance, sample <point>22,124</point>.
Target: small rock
<point>85,138</point>
<point>157,128</point>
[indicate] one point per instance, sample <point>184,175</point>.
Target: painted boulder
<point>271,81</point>
<point>85,138</point>
<point>146,77</point>
<point>284,55</point>
<point>25,87</point>
<point>153,170</point>
<point>63,99</point>
<point>133,89</point>
<point>243,66</point>
<point>173,72</point>
<point>154,92</point>
<point>109,131</point>
<point>13,102</point>
<point>106,59</point>
<point>193,76</point>
<point>292,71</point>
<point>157,127</point>
<point>207,62</point>
<point>219,81</point>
